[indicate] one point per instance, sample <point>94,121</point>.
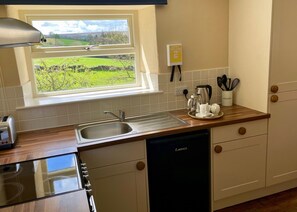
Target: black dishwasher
<point>179,172</point>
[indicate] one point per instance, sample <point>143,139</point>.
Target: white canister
<point>227,98</point>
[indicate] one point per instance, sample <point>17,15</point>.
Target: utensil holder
<point>227,98</point>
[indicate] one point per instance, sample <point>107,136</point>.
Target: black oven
<point>31,180</point>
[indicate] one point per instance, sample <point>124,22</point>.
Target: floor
<point>282,202</point>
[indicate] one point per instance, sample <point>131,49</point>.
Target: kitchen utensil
<point>224,81</point>
<point>227,98</point>
<point>219,82</point>
<point>205,92</point>
<point>229,84</point>
<point>235,82</point>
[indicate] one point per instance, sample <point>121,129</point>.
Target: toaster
<point>8,134</point>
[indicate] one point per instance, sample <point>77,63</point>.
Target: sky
<point>61,162</point>
<point>79,26</point>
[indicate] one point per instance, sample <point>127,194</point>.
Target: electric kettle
<point>204,91</point>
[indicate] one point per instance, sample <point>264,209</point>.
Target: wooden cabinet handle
<point>140,165</point>
<point>242,130</point>
<point>274,98</point>
<point>274,89</point>
<point>218,149</point>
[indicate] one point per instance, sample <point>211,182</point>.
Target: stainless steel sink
<point>99,131</point>
<point>115,129</point>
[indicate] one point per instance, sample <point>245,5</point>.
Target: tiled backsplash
<point>75,113</point>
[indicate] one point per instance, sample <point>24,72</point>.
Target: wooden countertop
<point>40,144</point>
<point>62,140</point>
<point>232,115</point>
<point>64,202</point>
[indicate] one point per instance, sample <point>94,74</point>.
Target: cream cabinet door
<point>118,177</point>
<point>282,138</point>
<point>119,188</point>
<point>239,166</point>
<point>283,61</point>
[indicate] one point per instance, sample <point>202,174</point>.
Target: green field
<point>63,42</point>
<point>86,61</point>
<point>53,77</point>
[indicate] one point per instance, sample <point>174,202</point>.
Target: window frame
<point>117,49</point>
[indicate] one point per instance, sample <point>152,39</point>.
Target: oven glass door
<point>31,180</point>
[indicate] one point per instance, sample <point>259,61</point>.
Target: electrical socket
<point>179,90</point>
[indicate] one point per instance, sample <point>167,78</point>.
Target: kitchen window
<point>84,53</point>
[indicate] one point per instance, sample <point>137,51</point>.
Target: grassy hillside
<point>63,42</point>
<point>86,61</point>
<point>50,78</point>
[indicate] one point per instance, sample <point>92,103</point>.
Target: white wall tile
<point>76,113</point>
<point>172,105</point>
<point>145,109</point>
<point>73,119</point>
<point>163,78</point>
<point>55,121</point>
<point>163,87</point>
<point>85,117</point>
<point>187,76</point>
<point>204,75</point>
<point>154,108</point>
<point>144,100</point>
<point>84,107</point>
<point>154,98</point>
<point>32,125</point>
<point>163,106</point>
<point>171,97</point>
<point>72,108</point>
<point>163,98</point>
<point>10,93</point>
<point>19,92</point>
<point>57,110</point>
<point>135,101</point>
<point>212,73</point>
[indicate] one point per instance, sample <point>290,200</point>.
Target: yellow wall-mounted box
<point>174,54</point>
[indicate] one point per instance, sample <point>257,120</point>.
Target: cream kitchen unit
<point>117,168</point>
<point>239,158</point>
<point>262,53</point>
<point>118,175</point>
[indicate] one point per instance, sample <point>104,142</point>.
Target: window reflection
<point>30,180</point>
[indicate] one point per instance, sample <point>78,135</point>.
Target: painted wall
<point>249,50</point>
<point>148,40</point>
<point>201,26</point>
<point>8,62</point>
<point>203,31</point>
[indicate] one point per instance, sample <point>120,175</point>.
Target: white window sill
<point>72,98</point>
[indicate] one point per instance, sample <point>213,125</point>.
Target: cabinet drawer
<point>239,131</point>
<point>115,154</point>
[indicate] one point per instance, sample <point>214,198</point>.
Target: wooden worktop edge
<point>62,140</point>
